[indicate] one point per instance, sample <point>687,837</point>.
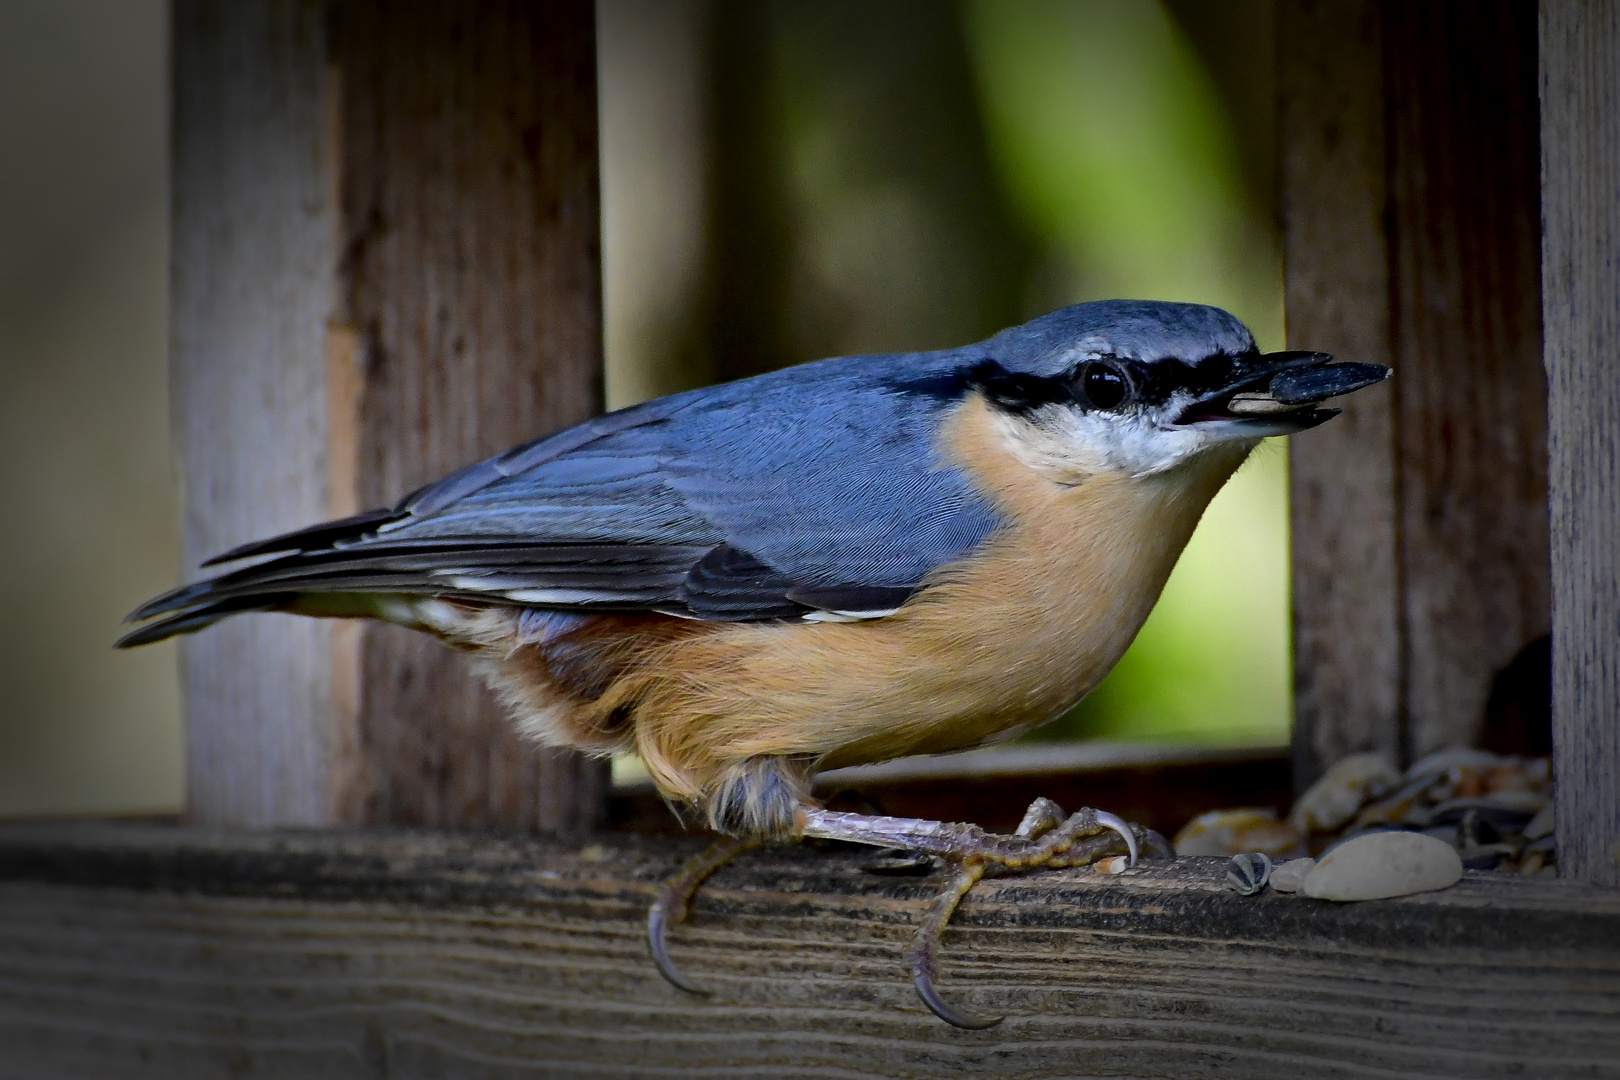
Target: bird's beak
<point>1279,394</point>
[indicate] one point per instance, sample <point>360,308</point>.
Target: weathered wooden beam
<point>252,277</point>
<point>386,266</point>
<point>177,953</point>
<point>1580,145</point>
<point>1419,517</point>
<point>1346,579</point>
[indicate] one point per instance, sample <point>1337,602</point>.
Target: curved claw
<point>1119,825</point>
<point>946,1012</point>
<point>676,897</point>
<point>657,928</point>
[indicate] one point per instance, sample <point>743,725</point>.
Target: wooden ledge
<point>149,951</point>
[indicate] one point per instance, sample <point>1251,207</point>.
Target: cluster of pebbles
<point>1380,832</point>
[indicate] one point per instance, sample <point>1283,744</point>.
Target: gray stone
<point>1383,864</point>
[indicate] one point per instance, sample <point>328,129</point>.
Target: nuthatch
<point>835,563</point>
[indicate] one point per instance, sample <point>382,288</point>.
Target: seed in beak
<point>1258,405</point>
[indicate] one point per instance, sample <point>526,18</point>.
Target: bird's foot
<point>1046,838</point>
<point>675,899</point>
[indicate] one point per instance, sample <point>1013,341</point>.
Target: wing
<point>811,492</point>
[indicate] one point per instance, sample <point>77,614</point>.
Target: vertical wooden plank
<point>252,279</point>
<point>386,266</point>
<point>1420,538</point>
<point>1580,145</point>
<point>1465,319</point>
<point>470,278</point>
<point>1347,641</point>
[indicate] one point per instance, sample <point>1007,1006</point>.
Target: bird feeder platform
<point>180,952</point>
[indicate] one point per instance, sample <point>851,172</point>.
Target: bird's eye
<point>1104,385</point>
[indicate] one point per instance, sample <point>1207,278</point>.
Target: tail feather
<point>189,622</point>
<point>311,537</point>
<point>579,577</point>
<point>176,599</point>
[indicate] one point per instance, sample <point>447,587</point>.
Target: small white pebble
<point>1384,864</point>
<point>1291,875</point>
<point>1114,864</point>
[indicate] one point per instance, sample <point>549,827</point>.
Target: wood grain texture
<point>1347,641</point>
<point>1419,517</point>
<point>1580,117</point>
<point>386,264</point>
<point>251,289</point>
<point>1470,392</point>
<point>176,954</point>
<point>470,273</point>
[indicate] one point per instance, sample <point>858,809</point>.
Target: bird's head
<point>1141,387</point>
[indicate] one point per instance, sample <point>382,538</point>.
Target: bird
<point>839,562</point>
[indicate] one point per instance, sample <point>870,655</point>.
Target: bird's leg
<point>675,898</point>
<point>1045,838</point>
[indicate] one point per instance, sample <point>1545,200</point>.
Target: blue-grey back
<point>830,473</point>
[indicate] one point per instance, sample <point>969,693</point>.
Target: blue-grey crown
<point>1142,330</point>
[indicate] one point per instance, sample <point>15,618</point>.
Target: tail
<point>202,604</point>
<point>346,569</point>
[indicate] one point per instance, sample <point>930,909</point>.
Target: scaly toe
<point>923,956</point>
<point>1042,817</point>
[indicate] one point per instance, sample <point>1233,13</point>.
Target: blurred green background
<point>782,179</point>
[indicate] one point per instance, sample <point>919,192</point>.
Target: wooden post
<point>386,266</point>
<point>252,229</point>
<point>1580,124</point>
<point>1347,655</point>
<point>1471,396</point>
<point>1419,527</point>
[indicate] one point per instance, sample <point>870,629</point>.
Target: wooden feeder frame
<point>386,263</point>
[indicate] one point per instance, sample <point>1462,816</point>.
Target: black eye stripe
<point>1159,381</point>
<point>1014,391</point>
<point>1150,384</point>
